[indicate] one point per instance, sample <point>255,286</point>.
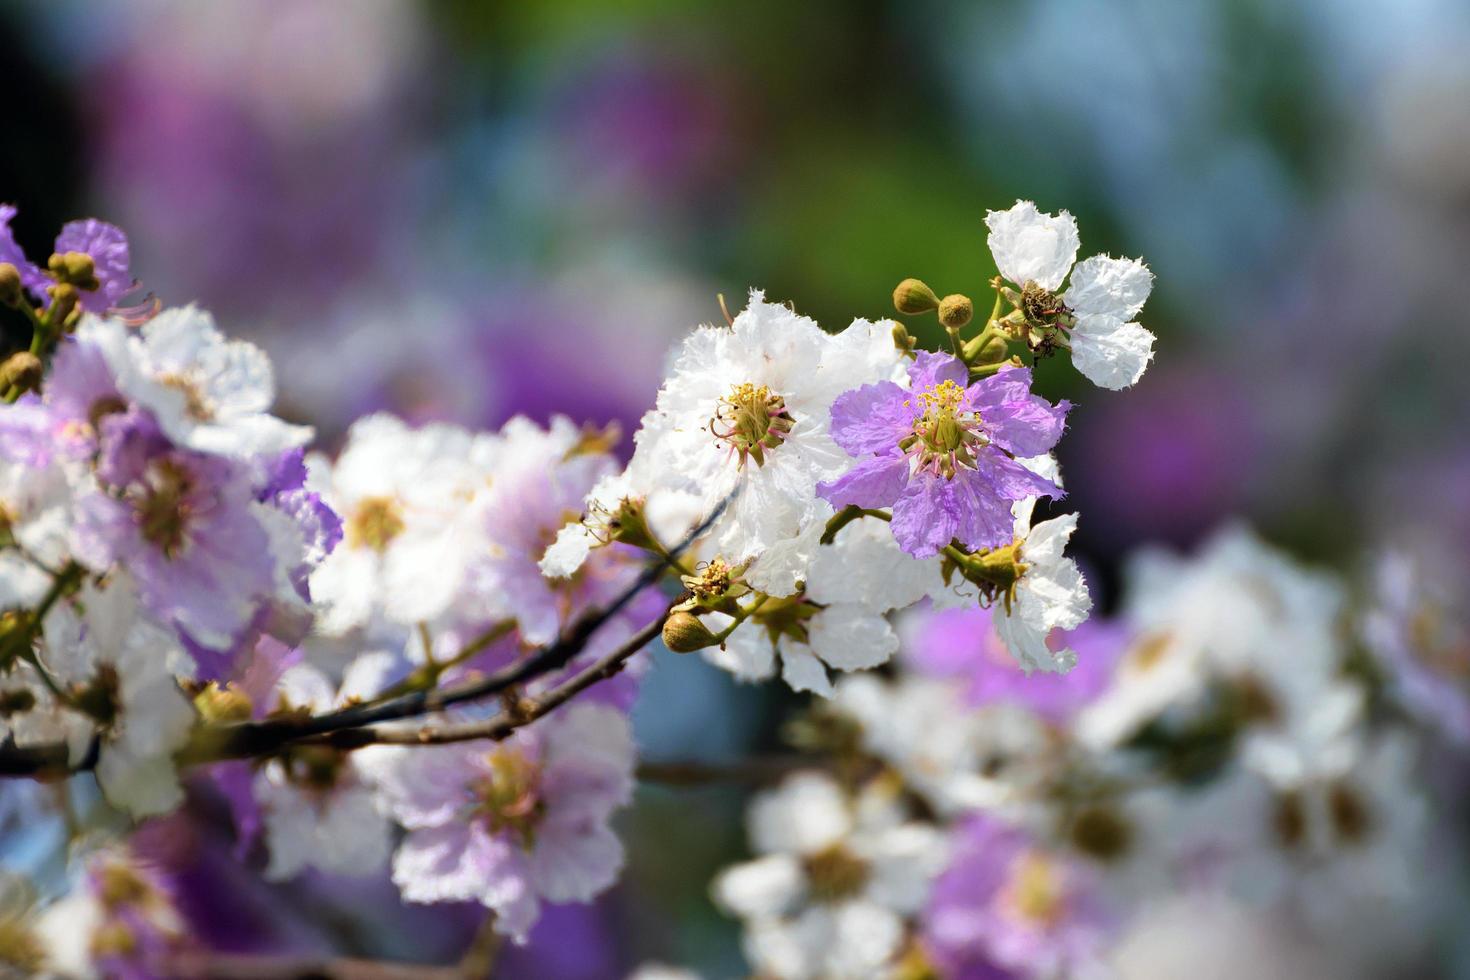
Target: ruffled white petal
<point>1110,353</point>
<point>1032,246</point>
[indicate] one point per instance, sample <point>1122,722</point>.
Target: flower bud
<point>684,633</point>
<point>993,351</point>
<point>913,296</point>
<point>955,311</point>
<point>902,339</point>
<point>22,370</point>
<point>76,268</point>
<point>64,299</point>
<point>222,705</point>
<point>9,284</point>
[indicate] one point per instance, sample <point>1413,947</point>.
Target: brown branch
<point>265,738</point>
<point>524,711</point>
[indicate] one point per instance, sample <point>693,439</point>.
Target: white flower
<point>35,515</point>
<point>208,393</point>
<point>1105,294</point>
<point>850,586</point>
<point>1050,595</point>
<point>319,810</point>
<point>407,499</point>
<point>1240,611</point>
<point>746,412</point>
<point>834,882</point>
<point>128,668</point>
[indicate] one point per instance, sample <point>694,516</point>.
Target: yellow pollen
<point>1035,891</point>
<point>374,523</point>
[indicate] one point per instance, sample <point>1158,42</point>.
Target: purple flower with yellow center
<point>943,454</point>
<point>184,523</point>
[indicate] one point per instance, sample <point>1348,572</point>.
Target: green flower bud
<point>993,351</point>
<point>955,311</point>
<point>913,296</point>
<point>23,370</point>
<point>902,339</point>
<point>684,633</point>
<point>9,284</point>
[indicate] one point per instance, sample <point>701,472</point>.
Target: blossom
<point>964,645</point>
<point>120,921</point>
<point>1005,903</point>
<point>35,516</point>
<point>106,245</point>
<point>541,478</point>
<point>833,882</point>
<point>744,416</point>
<point>318,807</point>
<point>407,501</point>
<point>185,525</point>
<point>512,825</point>
<point>838,621</point>
<point>207,393</point>
<point>1417,632</point>
<point>120,670</point>
<point>1049,594</point>
<point>1035,251</point>
<point>1238,615</point>
<point>943,455</point>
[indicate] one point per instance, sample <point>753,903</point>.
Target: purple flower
<point>80,390</point>
<point>1004,903</point>
<point>108,247</point>
<point>183,523</point>
<point>106,244</point>
<point>963,644</point>
<point>942,455</point>
<point>511,826</point>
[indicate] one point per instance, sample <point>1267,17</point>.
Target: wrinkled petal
<point>1114,287</point>
<point>875,482</point>
<point>871,419</point>
<point>1109,353</point>
<point>1030,245</point>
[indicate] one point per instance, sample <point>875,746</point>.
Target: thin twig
<point>265,738</point>
<point>501,725</point>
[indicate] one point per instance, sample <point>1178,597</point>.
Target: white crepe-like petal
<point>806,813</point>
<point>1110,353</point>
<point>567,553</point>
<point>1113,287</point>
<point>850,637</point>
<point>769,885</point>
<point>1032,246</point>
<point>1051,595</point>
<point>575,862</point>
<point>801,669</point>
<point>747,654</point>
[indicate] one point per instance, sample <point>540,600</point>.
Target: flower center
<point>196,404</point>
<point>102,698</point>
<point>164,509</point>
<point>1351,818</point>
<point>315,767</point>
<point>1035,891</point>
<point>751,420</point>
<point>1047,319</point>
<point>508,796</point>
<point>945,436</point>
<point>836,873</point>
<point>375,522</point>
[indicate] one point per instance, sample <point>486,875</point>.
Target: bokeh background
<point>466,210</point>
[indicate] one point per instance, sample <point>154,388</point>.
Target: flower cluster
<point>416,657</point>
<point>1217,747</point>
